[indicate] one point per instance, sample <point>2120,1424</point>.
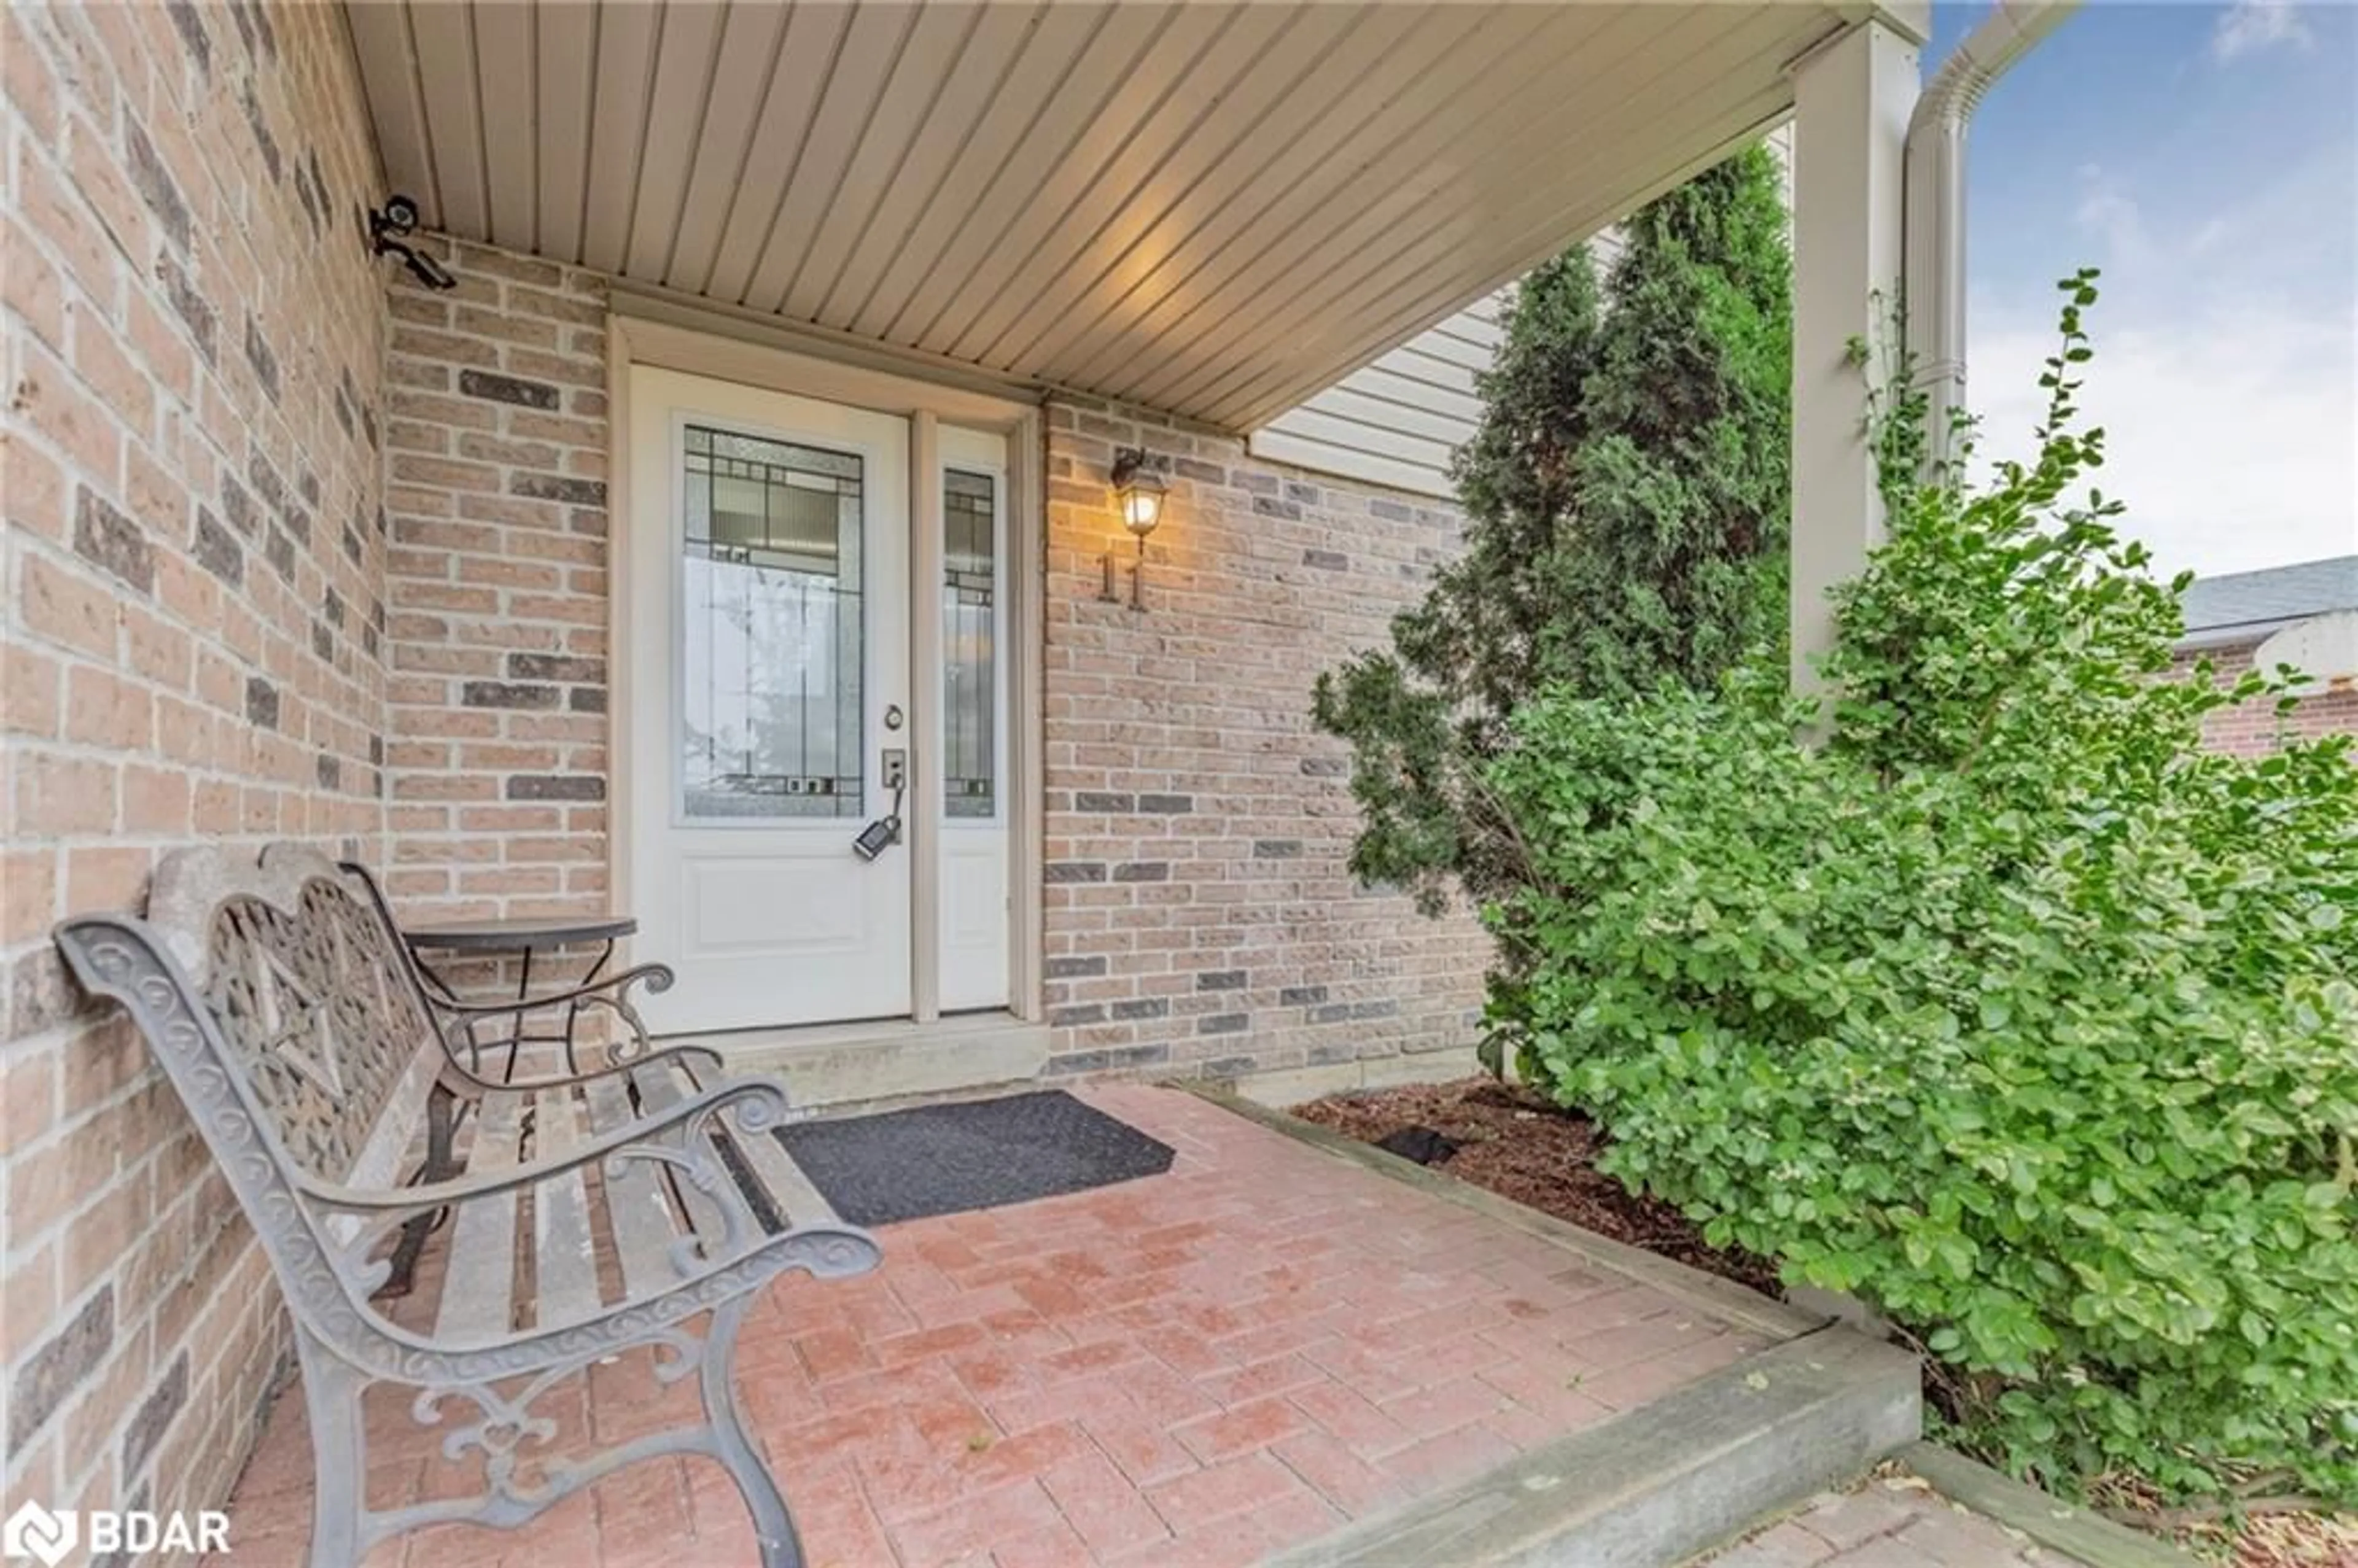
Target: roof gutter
<point>1933,205</point>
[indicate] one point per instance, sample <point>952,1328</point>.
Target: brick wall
<point>2254,728</point>
<point>192,629</point>
<point>1199,914</point>
<point>495,432</point>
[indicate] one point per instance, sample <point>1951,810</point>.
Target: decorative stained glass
<point>772,628</point>
<point>969,644</point>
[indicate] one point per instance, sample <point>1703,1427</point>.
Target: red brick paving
<point>1194,1369</point>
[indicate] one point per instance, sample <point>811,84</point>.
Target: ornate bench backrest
<point>275,999</point>
<point>313,1010</point>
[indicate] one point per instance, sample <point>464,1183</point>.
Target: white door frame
<point>727,346</point>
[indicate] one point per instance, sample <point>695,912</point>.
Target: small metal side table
<point>519,938</point>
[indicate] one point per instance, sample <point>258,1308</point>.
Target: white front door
<point>769,647</point>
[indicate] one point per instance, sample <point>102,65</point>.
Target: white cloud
<point>2110,216</point>
<point>2229,434</point>
<point>2249,26</point>
<point>2225,375</point>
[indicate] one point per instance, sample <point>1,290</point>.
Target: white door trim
<point>925,705</point>
<point>728,353</point>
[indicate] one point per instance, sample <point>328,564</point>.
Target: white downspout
<point>1933,204</point>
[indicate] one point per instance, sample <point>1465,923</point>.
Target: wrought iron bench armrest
<point>475,1085</point>
<point>765,1109</point>
<point>829,1251</point>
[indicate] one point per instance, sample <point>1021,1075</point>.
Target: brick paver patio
<point>1194,1369</point>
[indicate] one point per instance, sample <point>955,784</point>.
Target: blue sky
<point>2206,157</point>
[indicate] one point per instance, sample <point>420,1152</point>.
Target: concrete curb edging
<point>1722,1299</point>
<point>2077,1533</point>
<point>1673,1477</point>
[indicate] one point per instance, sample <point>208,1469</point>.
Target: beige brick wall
<point>192,627</point>
<point>1199,914</point>
<point>2255,729</point>
<point>495,436</point>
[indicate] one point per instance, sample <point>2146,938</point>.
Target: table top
<point>520,933</point>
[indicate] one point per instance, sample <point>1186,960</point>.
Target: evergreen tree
<point>1626,496</point>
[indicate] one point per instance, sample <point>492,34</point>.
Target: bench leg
<point>331,1399</point>
<point>781,1548</point>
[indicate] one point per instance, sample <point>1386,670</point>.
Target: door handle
<point>885,831</point>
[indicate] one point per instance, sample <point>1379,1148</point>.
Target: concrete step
<point>1652,1487</point>
<point>844,1069</point>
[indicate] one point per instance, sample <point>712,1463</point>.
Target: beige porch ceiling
<point>1215,209</point>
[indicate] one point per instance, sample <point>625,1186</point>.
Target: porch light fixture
<point>1139,488</point>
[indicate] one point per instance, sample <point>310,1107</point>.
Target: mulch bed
<point>2277,1537</point>
<point>2279,1540</point>
<point>1522,1146</point>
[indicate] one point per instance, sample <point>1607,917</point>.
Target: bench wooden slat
<point>645,1223</point>
<point>479,1288</point>
<point>565,1264</point>
<point>660,1089</point>
<point>798,1202</point>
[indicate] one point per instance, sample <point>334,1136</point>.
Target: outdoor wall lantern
<point>1139,488</point>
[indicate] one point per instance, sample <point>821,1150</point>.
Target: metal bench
<point>589,1213</point>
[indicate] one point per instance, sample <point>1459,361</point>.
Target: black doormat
<point>945,1158</point>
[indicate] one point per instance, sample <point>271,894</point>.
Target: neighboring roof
<point>1216,211</point>
<point>2247,606</point>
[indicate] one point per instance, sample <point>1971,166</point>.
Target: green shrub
<point>1996,1000</point>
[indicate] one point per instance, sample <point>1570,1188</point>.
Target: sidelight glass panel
<point>772,628</point>
<point>969,639</point>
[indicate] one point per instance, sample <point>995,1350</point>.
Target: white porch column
<point>1852,99</point>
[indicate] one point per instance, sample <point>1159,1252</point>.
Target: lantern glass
<point>1141,508</point>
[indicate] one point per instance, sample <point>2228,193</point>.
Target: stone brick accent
<point>1180,739</point>
<point>2255,729</point>
<point>194,564</point>
<point>40,1386</point>
<point>495,438</point>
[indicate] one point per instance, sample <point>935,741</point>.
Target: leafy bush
<point>1995,999</point>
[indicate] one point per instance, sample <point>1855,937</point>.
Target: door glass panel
<point>970,654</point>
<point>771,630</point>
